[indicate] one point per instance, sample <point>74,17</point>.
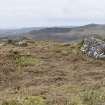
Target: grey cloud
<point>24,13</point>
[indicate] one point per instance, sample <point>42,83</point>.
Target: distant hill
<point>57,33</point>
<point>69,34</point>
<point>10,32</point>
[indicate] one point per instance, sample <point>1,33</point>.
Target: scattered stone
<point>21,43</point>
<point>93,47</point>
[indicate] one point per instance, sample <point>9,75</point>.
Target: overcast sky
<point>30,13</point>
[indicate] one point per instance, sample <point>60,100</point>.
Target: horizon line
<point>53,26</point>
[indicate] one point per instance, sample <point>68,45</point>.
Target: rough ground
<point>51,70</point>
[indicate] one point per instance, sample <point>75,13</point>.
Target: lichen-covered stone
<point>93,47</point>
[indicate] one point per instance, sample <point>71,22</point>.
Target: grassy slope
<point>55,72</point>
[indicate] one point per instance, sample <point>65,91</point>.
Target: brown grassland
<point>50,73</point>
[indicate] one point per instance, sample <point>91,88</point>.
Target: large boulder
<point>93,47</point>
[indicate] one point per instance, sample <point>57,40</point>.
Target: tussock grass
<point>31,100</point>
<point>23,60</point>
<point>69,95</point>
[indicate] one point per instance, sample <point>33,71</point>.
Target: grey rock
<point>93,47</point>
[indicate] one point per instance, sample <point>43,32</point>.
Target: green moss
<point>34,100</point>
<point>26,60</point>
<point>23,60</point>
<point>31,100</point>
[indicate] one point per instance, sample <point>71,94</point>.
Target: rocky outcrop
<point>93,47</point>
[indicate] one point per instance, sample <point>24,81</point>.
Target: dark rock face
<point>93,47</point>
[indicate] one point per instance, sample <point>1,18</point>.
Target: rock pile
<point>93,47</point>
